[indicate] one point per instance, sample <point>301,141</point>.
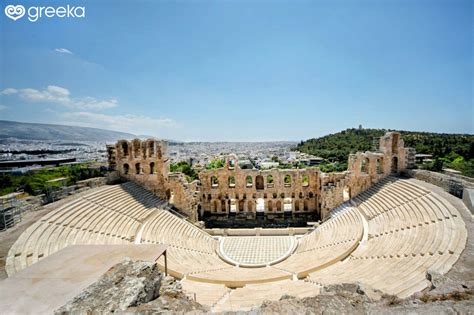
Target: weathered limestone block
<point>124,285</point>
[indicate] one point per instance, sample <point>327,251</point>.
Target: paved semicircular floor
<point>254,251</point>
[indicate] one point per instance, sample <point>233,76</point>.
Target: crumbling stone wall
<point>231,189</point>
<point>183,195</point>
<point>144,162</point>
<point>451,184</point>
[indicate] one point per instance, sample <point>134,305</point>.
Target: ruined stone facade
<point>144,162</point>
<point>232,190</point>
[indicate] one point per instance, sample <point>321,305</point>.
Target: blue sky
<point>242,70</point>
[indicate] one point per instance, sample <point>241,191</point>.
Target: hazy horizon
<point>243,71</point>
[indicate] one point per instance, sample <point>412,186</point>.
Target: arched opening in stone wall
<point>250,205</point>
<point>287,204</point>
<point>297,205</point>
<point>287,181</point>
<point>152,168</point>
<point>306,205</point>
<point>214,182</point>
<point>231,181</point>
<point>278,205</point>
<point>269,181</point>
<point>380,165</point>
<point>171,199</point>
<point>395,164</point>
<point>270,205</point>
<point>241,205</point>
<point>305,181</point>
<point>364,166</point>
<point>231,164</point>
<point>124,149</point>
<point>346,193</point>
<point>260,205</point>
<point>259,182</point>
<point>215,206</point>
<point>136,148</point>
<point>126,168</point>
<point>249,181</point>
<point>223,208</point>
<point>151,149</point>
<point>394,143</point>
<point>232,205</point>
<point>137,168</point>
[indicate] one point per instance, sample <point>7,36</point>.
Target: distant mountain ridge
<point>36,131</point>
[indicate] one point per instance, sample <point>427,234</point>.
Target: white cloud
<point>2,107</point>
<point>63,51</point>
<point>128,123</point>
<point>9,91</point>
<point>62,96</point>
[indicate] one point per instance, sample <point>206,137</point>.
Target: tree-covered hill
<point>454,150</point>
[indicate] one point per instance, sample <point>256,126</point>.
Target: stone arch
<point>260,205</point>
<point>394,165</point>
<point>126,168</point>
<point>270,205</point>
<point>287,204</point>
<point>231,181</point>
<point>151,148</point>
<point>232,205</point>
<point>241,205</point>
<point>346,193</point>
<point>231,163</point>
<point>215,206</point>
<point>259,182</point>
<point>278,205</point>
<point>379,166</point>
<point>287,181</point>
<point>136,148</point>
<point>249,181</point>
<point>214,182</point>
<point>171,199</point>
<point>250,205</point>
<point>124,148</point>
<point>223,207</point>
<point>270,181</point>
<point>305,180</point>
<point>364,166</point>
<point>297,205</point>
<point>306,205</point>
<point>152,168</point>
<point>395,138</point>
<point>137,168</point>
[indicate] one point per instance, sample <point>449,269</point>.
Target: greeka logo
<point>16,12</point>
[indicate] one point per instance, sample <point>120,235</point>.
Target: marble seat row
<point>166,228</point>
<point>409,233</point>
<point>107,215</point>
<point>331,242</point>
<point>190,256</point>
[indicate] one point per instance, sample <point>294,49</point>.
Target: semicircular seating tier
<point>397,231</point>
<point>410,230</point>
